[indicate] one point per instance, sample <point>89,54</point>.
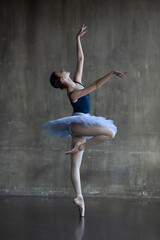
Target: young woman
<point>81,124</point>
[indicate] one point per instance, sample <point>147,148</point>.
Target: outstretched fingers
<point>82,31</point>
<point>120,74</point>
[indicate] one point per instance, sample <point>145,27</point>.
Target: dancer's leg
<point>76,160</point>
<point>100,134</point>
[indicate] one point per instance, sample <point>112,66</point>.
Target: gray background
<point>38,37</point>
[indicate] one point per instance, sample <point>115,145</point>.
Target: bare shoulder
<point>78,87</point>
<point>77,93</point>
<point>77,79</point>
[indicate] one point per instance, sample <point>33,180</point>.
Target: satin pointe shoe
<point>79,201</point>
<point>75,149</point>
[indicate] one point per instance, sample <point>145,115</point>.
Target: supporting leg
<point>100,134</point>
<point>76,160</point>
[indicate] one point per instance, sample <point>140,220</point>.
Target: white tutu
<point>61,126</point>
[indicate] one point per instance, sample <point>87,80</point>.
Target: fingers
<point>124,74</point>
<point>84,26</point>
<point>83,30</point>
<point>120,74</point>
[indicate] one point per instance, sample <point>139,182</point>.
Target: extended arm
<point>80,55</point>
<point>97,84</point>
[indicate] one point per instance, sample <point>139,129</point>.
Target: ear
<point>63,80</point>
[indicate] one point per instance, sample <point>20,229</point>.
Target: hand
<point>82,31</point>
<point>120,74</point>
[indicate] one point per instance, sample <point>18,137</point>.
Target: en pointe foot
<point>79,201</point>
<point>75,149</point>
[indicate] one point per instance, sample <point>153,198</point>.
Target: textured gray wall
<point>38,37</point>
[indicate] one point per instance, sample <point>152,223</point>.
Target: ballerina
<point>81,125</point>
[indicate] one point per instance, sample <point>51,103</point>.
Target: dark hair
<point>55,81</point>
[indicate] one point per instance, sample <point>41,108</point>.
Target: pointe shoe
<point>80,203</point>
<point>75,149</point>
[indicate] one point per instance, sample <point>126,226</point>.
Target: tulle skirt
<point>61,126</point>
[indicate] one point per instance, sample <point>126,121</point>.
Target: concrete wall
<point>38,37</point>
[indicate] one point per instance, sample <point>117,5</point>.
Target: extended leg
<point>100,134</point>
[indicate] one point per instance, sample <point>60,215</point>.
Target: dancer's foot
<point>79,201</point>
<point>76,148</point>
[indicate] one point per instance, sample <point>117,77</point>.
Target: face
<point>63,74</point>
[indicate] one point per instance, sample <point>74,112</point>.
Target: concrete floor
<point>58,219</point>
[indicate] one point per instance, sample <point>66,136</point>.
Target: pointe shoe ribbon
<point>77,201</point>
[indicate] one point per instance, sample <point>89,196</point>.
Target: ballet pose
<point>85,129</point>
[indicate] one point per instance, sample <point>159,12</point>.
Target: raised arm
<point>80,55</point>
<point>97,84</point>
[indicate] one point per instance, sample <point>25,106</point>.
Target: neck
<point>70,85</point>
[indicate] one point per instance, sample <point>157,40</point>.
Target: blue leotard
<point>83,104</point>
